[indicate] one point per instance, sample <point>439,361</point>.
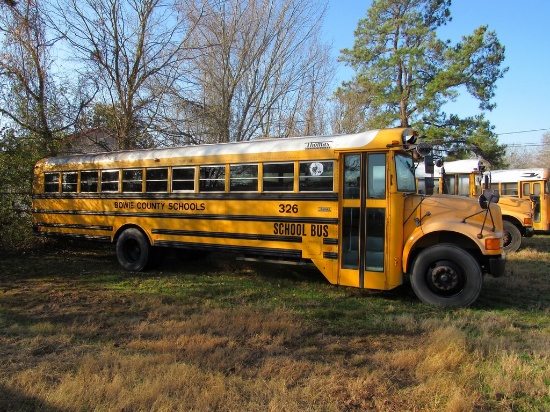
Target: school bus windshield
<point>405,174</point>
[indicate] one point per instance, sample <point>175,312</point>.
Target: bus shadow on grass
<point>15,400</point>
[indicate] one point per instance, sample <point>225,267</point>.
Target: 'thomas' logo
<point>318,145</point>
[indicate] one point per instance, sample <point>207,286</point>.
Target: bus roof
<point>462,166</point>
<point>465,166</point>
<point>517,175</point>
<point>271,145</point>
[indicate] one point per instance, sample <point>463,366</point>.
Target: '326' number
<point>288,208</point>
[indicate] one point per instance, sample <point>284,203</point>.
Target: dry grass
<point>78,334</point>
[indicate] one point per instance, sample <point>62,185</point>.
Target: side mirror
<point>429,164</point>
<point>488,196</point>
<point>429,185</point>
<point>423,149</point>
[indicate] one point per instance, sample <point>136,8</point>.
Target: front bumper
<point>529,232</point>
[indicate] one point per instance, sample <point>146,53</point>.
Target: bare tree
<point>523,157</point>
<point>541,159</point>
<point>136,49</point>
<point>519,157</point>
<point>31,97</point>
<point>260,69</point>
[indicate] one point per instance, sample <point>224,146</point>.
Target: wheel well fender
<point>433,238</point>
<point>131,226</point>
<point>513,220</point>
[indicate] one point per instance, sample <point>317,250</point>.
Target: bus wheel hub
<point>444,278</point>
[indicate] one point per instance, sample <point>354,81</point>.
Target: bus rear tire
<point>133,250</point>
<point>445,275</point>
<point>511,238</point>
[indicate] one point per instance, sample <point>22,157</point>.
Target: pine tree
<point>405,74</point>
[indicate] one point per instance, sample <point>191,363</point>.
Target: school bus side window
<point>88,181</point>
<point>156,180</point>
<point>316,176</point>
<point>109,181</point>
<point>278,177</point>
<point>212,178</point>
<point>51,182</point>
<point>69,182</point>
<point>243,178</point>
<point>509,189</point>
<point>132,180</point>
<point>183,179</point>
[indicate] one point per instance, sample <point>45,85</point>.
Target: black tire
<point>133,250</point>
<point>445,275</point>
<point>512,237</point>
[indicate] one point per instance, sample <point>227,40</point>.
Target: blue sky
<point>522,96</point>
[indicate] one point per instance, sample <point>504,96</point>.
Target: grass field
<point>79,334</point>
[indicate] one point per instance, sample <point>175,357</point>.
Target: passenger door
<point>363,220</point>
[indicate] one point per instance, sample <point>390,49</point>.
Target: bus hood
<point>445,212</point>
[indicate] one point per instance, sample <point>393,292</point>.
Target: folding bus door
<point>362,217</point>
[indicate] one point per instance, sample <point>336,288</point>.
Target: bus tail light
<point>528,221</point>
<point>492,244</point>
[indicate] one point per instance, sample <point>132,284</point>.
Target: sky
<point>522,114</point>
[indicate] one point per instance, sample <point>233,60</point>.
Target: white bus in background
<point>529,184</point>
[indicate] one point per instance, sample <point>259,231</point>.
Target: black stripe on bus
<point>330,255</point>
<point>75,236</point>
<point>330,241</point>
<point>248,236</point>
<point>317,196</point>
<point>74,226</point>
<point>329,221</point>
<point>286,253</point>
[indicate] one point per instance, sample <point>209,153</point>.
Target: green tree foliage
<point>405,74</point>
<point>17,157</point>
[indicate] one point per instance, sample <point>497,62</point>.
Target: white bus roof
<point>516,175</point>
<point>275,145</point>
<point>456,166</point>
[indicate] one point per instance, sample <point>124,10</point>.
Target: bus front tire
<point>133,250</point>
<point>511,238</point>
<point>445,275</point>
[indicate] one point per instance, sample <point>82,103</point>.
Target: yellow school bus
<point>467,178</point>
<point>346,203</point>
<point>529,184</point>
